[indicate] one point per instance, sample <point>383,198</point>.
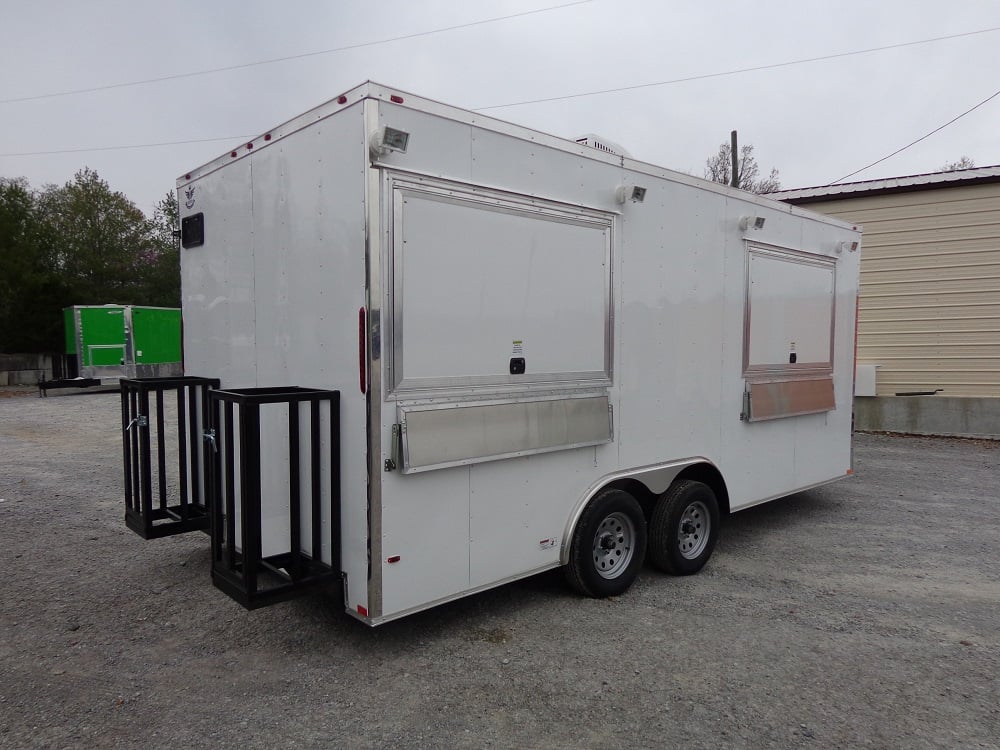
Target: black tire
<point>684,528</point>
<point>609,545</point>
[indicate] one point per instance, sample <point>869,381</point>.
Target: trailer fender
<point>656,478</point>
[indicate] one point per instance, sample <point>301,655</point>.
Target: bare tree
<point>965,162</point>
<point>719,169</point>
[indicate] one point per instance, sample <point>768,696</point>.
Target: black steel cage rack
<point>239,565</point>
<point>160,502</point>
<point>218,439</point>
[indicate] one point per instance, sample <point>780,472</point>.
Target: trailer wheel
<point>684,527</point>
<point>609,545</point>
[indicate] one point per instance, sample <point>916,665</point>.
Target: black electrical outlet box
<point>517,366</point>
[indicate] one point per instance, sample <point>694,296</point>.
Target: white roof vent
<point>602,144</point>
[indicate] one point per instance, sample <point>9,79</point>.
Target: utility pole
<point>735,180</point>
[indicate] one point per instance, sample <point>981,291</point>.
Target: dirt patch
<point>16,391</point>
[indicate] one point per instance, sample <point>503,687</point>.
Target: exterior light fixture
<point>632,193</point>
<point>388,139</point>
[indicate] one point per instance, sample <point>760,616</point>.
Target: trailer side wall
<point>679,321</point>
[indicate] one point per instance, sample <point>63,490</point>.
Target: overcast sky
<point>815,121</point>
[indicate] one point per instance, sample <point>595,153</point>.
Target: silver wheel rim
<point>693,530</point>
<point>614,545</point>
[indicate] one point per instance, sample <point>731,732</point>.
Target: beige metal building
<point>930,297</point>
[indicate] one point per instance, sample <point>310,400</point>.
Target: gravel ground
<point>863,614</point>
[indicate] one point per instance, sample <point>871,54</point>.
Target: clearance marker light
<point>393,559</point>
<point>341,100</point>
<point>396,99</point>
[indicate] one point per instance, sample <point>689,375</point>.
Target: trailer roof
<point>377,91</point>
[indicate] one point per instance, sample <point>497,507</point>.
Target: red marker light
<point>363,611</point>
<point>341,100</point>
<point>249,146</point>
<point>396,98</point>
<point>393,559</point>
<point>267,137</point>
<point>187,177</point>
<point>233,154</point>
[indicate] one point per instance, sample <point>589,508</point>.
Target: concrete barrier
<point>929,415</point>
<point>24,369</point>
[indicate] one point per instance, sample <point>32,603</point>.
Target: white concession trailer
<point>429,352</point>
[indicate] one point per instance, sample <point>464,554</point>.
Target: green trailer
<point>119,341</point>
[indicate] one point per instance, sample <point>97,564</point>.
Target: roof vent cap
<point>602,144</point>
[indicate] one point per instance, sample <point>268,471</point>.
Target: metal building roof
<point>928,181</point>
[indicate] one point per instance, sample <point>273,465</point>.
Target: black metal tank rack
<point>212,440</point>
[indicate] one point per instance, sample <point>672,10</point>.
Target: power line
<point>126,147</point>
<point>211,71</point>
<point>921,138</point>
<point>737,71</point>
<point>558,98</point>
